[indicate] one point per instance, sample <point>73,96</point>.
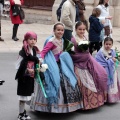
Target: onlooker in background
<point>6,9</point>
<point>1,12</point>
<point>68,15</point>
<point>1,39</point>
<point>1,6</point>
<point>81,9</point>
<point>95,30</point>
<point>15,20</point>
<point>58,12</point>
<point>104,7</point>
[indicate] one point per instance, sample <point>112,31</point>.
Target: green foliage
<point>67,46</point>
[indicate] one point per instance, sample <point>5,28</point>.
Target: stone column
<point>96,2</point>
<point>89,7</point>
<point>116,16</point>
<point>111,8</point>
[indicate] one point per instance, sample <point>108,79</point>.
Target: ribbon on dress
<point>39,81</point>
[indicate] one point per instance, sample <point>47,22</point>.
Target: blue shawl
<point>52,76</point>
<point>109,65</point>
<point>67,68</point>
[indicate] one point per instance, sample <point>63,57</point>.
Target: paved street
<point>9,102</point>
<point>8,98</point>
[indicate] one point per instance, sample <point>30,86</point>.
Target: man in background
<point>68,16</point>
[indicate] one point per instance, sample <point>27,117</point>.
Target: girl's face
<point>108,45</point>
<point>59,31</point>
<point>80,31</point>
<point>31,42</point>
<point>106,1</point>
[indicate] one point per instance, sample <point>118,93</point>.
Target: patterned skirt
<point>69,99</point>
<point>113,94</point>
<point>91,97</point>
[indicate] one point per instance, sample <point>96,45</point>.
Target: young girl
<point>26,71</point>
<point>106,57</point>
<point>63,94</point>
<point>95,30</point>
<point>91,76</point>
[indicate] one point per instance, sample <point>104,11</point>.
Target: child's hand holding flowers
<point>42,67</point>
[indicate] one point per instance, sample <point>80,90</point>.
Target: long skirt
<point>91,97</point>
<point>69,99</point>
<point>113,94</point>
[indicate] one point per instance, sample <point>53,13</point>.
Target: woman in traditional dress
<point>91,76</point>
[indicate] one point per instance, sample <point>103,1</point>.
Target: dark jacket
<point>25,82</point>
<point>95,29</point>
<point>2,1</point>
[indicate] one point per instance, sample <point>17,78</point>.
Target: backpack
<point>58,12</point>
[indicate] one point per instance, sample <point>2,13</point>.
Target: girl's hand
<point>114,59</point>
<point>30,71</point>
<point>109,17</point>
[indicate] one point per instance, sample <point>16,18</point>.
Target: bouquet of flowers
<point>117,54</point>
<point>83,45</point>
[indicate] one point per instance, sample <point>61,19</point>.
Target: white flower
<point>118,54</point>
<point>72,49</point>
<point>83,42</point>
<point>43,67</point>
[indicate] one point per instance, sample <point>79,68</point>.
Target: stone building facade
<point>90,4</point>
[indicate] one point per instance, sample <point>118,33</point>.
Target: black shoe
<point>1,82</point>
<point>21,116</point>
<point>15,39</point>
<point>1,39</point>
<point>26,116</point>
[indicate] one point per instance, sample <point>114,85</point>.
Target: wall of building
<point>90,4</point>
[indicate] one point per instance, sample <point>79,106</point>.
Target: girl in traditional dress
<point>63,94</point>
<point>91,76</point>
<point>106,57</point>
<point>26,72</point>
